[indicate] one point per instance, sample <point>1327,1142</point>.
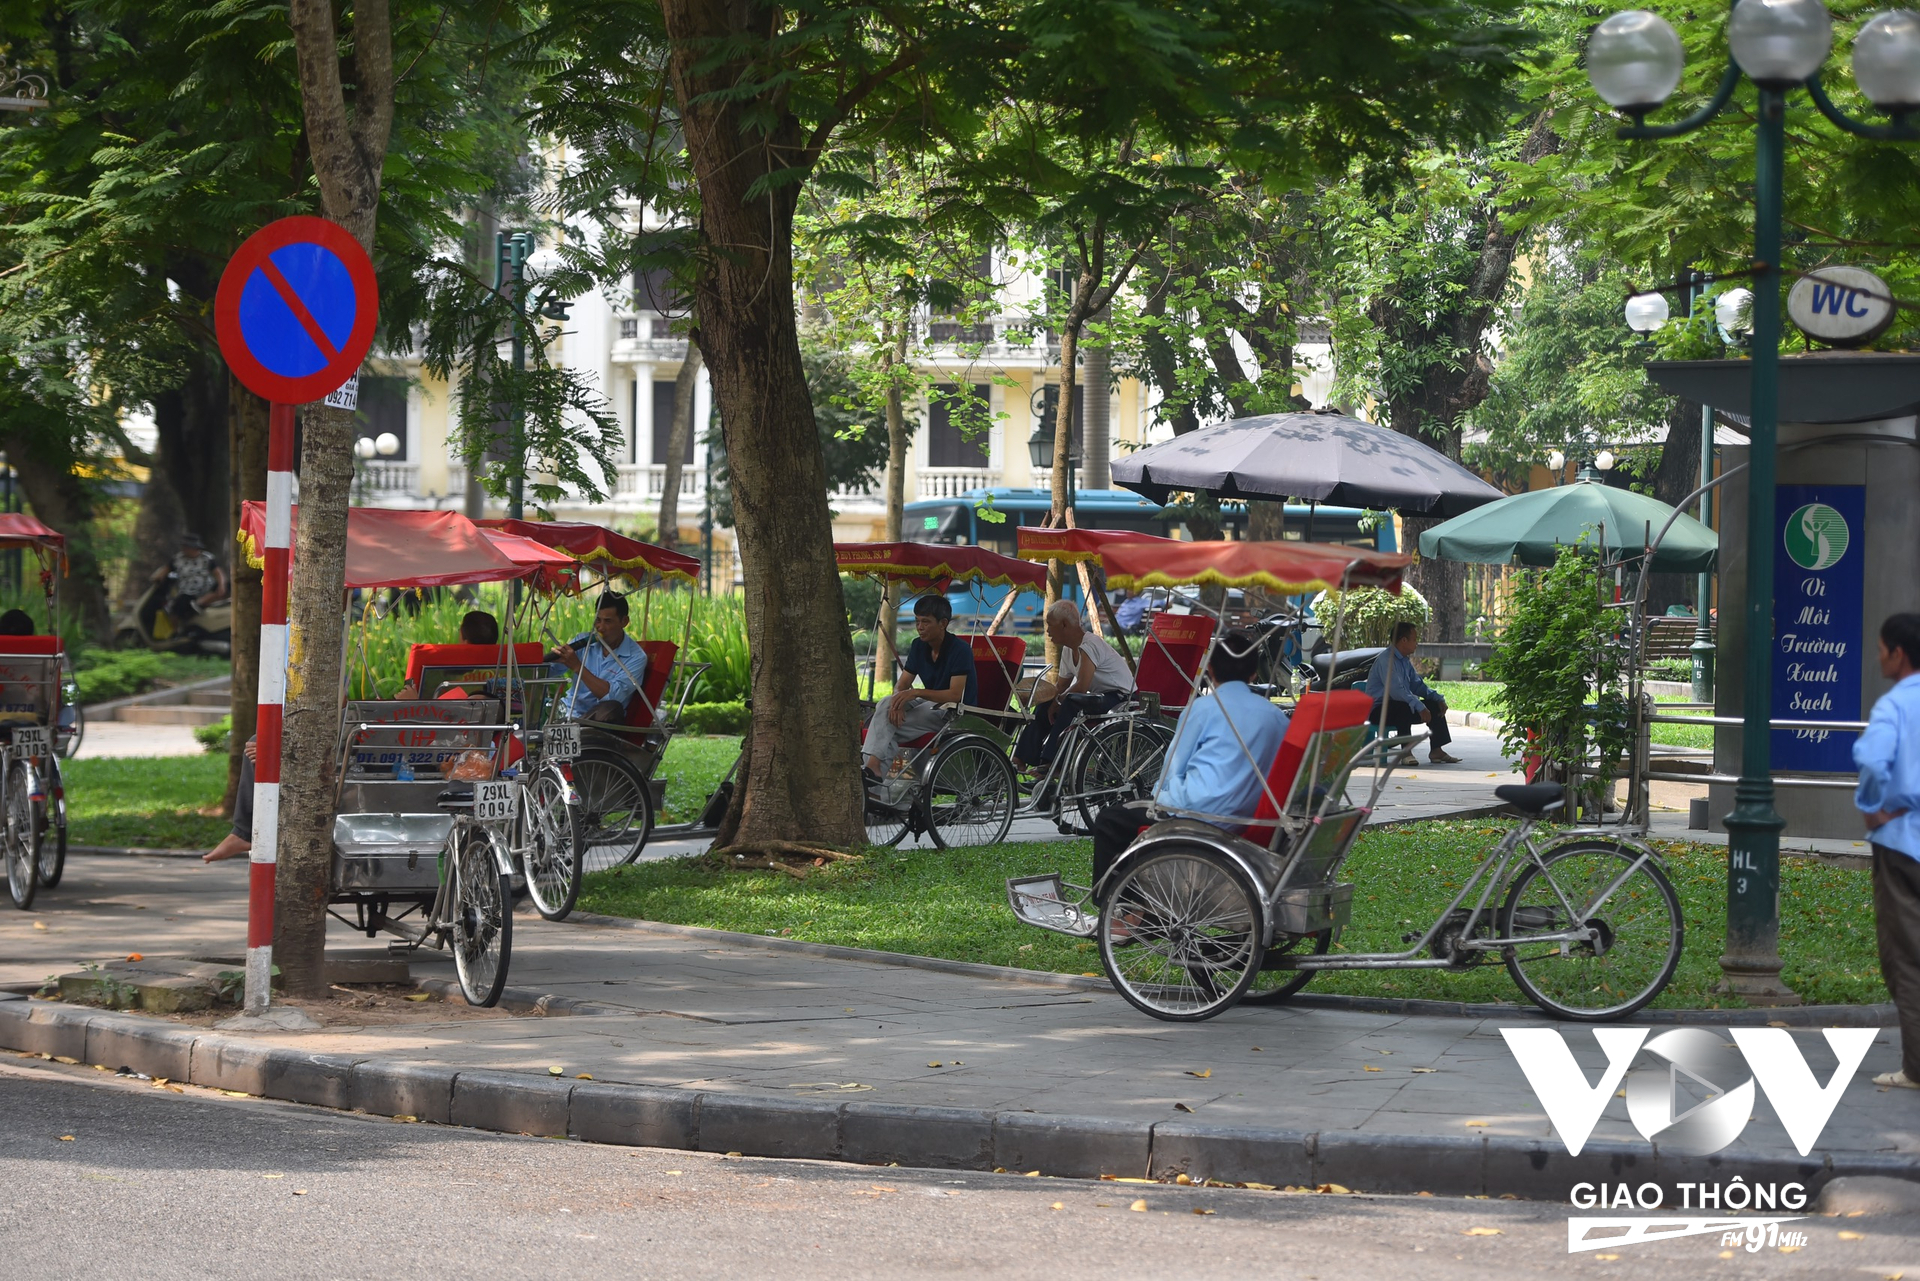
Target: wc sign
<point>1841,306</point>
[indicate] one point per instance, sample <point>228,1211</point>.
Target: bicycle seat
<point>1084,704</point>
<point>1532,798</point>
<point>455,796</point>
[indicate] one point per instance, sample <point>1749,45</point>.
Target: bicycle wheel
<point>482,926</point>
<point>1633,909</point>
<point>970,794</point>
<point>1271,986</point>
<point>547,837</point>
<point>21,837</point>
<point>886,826</point>
<point>1188,926</point>
<point>71,747</point>
<point>616,810</point>
<point>53,814</point>
<point>1120,761</point>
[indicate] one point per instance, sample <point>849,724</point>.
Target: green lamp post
<point>1634,61</point>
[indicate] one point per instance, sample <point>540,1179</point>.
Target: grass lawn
<point>149,801</point>
<point>1479,696</point>
<point>952,904</point>
<point>693,767</point>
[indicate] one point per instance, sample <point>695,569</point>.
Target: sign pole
<point>269,719</point>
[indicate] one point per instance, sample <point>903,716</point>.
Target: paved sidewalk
<point>786,1044</point>
<point>116,738</point>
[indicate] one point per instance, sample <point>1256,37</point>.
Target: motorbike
<point>147,623</point>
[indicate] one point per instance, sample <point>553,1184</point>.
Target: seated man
<point>477,628</point>
<point>944,666</point>
<point>1207,771</point>
<point>608,665</point>
<point>239,838</point>
<point>1088,665</point>
<point>198,579</point>
<point>1408,697</point>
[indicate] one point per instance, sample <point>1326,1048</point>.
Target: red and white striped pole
<point>269,718</point>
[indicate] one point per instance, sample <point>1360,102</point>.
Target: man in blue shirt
<point>608,665</point>
<point>1888,757</point>
<point>1222,749</point>
<point>1408,697</point>
<point>943,664</point>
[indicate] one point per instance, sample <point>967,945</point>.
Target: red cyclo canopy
<point>921,565</point>
<point>1285,569</point>
<point>592,544</point>
<point>17,529</point>
<point>404,548</point>
<point>1070,546</point>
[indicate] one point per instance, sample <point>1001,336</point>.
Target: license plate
<point>496,802</point>
<point>29,740</point>
<point>563,742</point>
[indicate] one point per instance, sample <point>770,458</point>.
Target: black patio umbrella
<point>1317,458</point>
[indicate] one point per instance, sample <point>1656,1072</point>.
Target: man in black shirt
<point>944,666</point>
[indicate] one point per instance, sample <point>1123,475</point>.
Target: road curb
<point>1793,1016</point>
<point>133,851</point>
<point>881,1133</point>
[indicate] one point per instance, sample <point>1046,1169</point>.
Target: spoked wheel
<point>886,826</point>
<point>53,825</point>
<point>22,837</point>
<point>71,747</point>
<point>547,834</point>
<point>1120,762</point>
<point>1632,910</point>
<point>970,794</point>
<point>482,926</point>
<point>616,810</point>
<point>1180,934</point>
<point>1272,985</point>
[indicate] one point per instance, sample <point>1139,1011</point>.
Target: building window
<point>947,411</point>
<point>655,291</point>
<point>662,329</point>
<point>629,328</point>
<point>663,425</point>
<point>383,408</point>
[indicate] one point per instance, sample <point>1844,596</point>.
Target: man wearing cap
<point>198,580</point>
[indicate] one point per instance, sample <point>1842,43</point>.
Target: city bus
<point>966,519</point>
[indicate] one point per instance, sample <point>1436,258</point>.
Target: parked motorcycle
<point>147,623</point>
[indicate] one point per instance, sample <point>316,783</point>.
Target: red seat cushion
<point>922,741</point>
<point>653,683</point>
<point>1171,656</point>
<point>30,645</point>
<point>996,663</point>
<point>1341,709</point>
<point>422,656</point>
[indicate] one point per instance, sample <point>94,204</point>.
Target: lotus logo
<point>1816,537</point>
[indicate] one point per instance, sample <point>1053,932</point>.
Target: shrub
<point>216,738</point>
<point>1367,614</point>
<point>714,718</point>
<point>102,675</point>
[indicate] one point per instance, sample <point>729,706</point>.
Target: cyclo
<point>38,725</point>
<point>957,784</point>
<point>614,765</point>
<point>436,804</point>
<point>1205,910</point>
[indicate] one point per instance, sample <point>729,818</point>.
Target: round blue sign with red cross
<point>296,310</point>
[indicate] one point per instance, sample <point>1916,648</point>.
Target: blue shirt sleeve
<point>629,658</point>
<point>1377,675</point>
<point>1873,754</point>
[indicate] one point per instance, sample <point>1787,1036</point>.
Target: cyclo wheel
<point>547,833</point>
<point>616,810</point>
<point>1191,942</point>
<point>1271,986</point>
<point>1120,761</point>
<point>22,837</point>
<point>885,827</point>
<point>482,925</point>
<point>1638,919</point>
<point>53,813</point>
<point>970,794</point>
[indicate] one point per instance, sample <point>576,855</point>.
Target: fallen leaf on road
<point>1483,1232</point>
<point>1423,1069</point>
<point>556,1071</point>
<point>583,1076</point>
<point>273,1176</point>
<point>936,1064</point>
<point>299,1191</point>
<point>61,1058</point>
<point>1088,974</point>
<point>1611,1257</point>
<point>1181,1107</point>
<point>1481,1124</point>
<point>1059,1205</point>
<point>236,1094</point>
<point>1138,1205</point>
<point>1031,1174</point>
<point>66,1138</point>
<point>1203,1074</point>
<point>1183,1179</point>
<point>1852,1236</point>
<point>135,956</point>
<point>1785,1249</point>
<point>1256,1049</point>
<point>406,1118</point>
<point>1368,1067</point>
<point>676,1171</point>
<point>39,925</point>
<point>421,996</point>
<point>1201,1210</point>
<point>733,1154</point>
<point>1333,1188</point>
<point>1258,1187</point>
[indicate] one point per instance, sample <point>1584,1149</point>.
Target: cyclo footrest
<point>1048,903</point>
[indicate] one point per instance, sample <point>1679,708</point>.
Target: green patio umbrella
<point>1530,528</point>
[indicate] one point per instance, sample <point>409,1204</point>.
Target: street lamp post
<point>1635,61</point>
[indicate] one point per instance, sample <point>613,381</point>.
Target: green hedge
<point>116,675</point>
<point>714,718</point>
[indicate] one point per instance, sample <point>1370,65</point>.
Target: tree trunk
<point>191,424</point>
<point>1098,399</point>
<point>348,153</point>
<point>1062,457</point>
<point>247,450</point>
<point>62,500</point>
<point>1677,476</point>
<point>803,773</point>
<point>886,653</point>
<point>685,384</point>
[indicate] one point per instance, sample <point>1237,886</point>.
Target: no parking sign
<point>296,310</point>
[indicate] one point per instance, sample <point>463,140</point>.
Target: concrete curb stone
<point>641,1116</point>
<point>892,1133</point>
<point>511,1102</point>
<point>274,1072</point>
<point>1542,1169</point>
<point>124,1040</point>
<point>1074,1147</point>
<point>1233,1154</point>
<point>768,1127</point>
<point>44,1028</point>
<point>1413,1162</point>
<point>423,1091</point>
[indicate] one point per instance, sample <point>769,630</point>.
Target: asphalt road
<point>154,1184</point>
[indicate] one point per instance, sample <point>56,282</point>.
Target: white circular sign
<point>1842,306</point>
